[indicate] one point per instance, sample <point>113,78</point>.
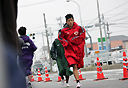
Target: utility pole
<point>47,41</point>
<point>109,36</point>
<point>61,22</point>
<point>106,40</point>
<point>60,19</point>
<point>43,38</point>
<point>100,25</point>
<point>43,43</point>
<point>50,34</point>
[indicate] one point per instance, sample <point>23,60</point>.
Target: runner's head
<point>69,20</point>
<point>22,30</point>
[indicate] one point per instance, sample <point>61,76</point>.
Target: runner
<point>57,53</point>
<point>28,50</point>
<point>72,37</point>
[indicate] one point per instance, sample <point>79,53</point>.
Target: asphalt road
<point>112,81</point>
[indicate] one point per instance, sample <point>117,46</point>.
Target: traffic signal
<point>33,35</point>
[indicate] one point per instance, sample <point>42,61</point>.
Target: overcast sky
<point>30,15</point>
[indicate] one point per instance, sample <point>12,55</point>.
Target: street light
<point>89,34</point>
<point>79,10</point>
<point>80,21</point>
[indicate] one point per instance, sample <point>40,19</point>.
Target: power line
<point>119,31</point>
<point>85,5</point>
<point>41,26</point>
<point>116,7</point>
<point>115,31</point>
<point>37,27</point>
<point>93,29</point>
<point>81,9</point>
<point>121,18</point>
<point>36,3</point>
<point>120,26</point>
<point>115,24</point>
<point>92,20</point>
<point>124,21</point>
<point>118,14</point>
<point>120,23</point>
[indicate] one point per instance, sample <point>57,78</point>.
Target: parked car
<point>35,69</point>
<point>103,57</point>
<point>48,68</point>
<point>117,56</point>
<point>104,62</point>
<point>96,63</point>
<point>118,59</point>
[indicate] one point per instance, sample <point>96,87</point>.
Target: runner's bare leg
<point>29,77</point>
<point>75,72</point>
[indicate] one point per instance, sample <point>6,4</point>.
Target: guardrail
<point>106,58</point>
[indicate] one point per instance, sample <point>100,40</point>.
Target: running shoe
<point>67,85</point>
<point>78,85</point>
<point>29,85</point>
<point>62,82</point>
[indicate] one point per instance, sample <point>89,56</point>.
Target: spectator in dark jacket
<point>11,76</point>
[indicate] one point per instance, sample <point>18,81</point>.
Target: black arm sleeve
<point>53,51</point>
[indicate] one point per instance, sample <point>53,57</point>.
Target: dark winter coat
<point>57,53</point>
<point>13,76</point>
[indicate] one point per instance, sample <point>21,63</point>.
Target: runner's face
<point>70,22</point>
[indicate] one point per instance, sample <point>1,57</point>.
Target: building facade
<point>117,42</point>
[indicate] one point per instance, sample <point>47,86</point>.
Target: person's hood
<point>25,38</point>
<point>65,25</point>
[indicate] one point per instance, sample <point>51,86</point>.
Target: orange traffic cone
<point>100,75</point>
<point>39,76</point>
<point>59,78</point>
<point>80,75</point>
<point>47,79</point>
<point>125,67</point>
<point>32,79</point>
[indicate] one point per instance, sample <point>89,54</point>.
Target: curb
<point>104,67</point>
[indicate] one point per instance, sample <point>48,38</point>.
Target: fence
<point>105,58</point>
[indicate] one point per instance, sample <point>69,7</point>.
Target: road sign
<point>104,43</point>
